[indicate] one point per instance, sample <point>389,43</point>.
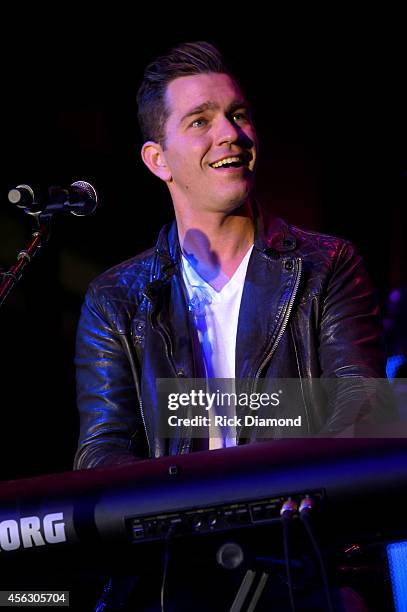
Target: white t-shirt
<point>216,315</point>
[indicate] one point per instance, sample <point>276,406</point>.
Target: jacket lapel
<point>267,290</point>
<point>269,284</point>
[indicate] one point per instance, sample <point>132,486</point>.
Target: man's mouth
<point>235,161</point>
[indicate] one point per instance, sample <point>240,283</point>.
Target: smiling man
<point>207,158</point>
<point>229,291</point>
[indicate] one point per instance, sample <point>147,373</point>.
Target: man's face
<point>209,121</point>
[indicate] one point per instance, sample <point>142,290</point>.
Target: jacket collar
<point>166,260</point>
<point>168,249</point>
<point>272,234</point>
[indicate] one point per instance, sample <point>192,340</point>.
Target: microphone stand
<point>80,199</point>
<point>39,238</point>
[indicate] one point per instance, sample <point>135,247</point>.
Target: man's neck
<point>216,243</point>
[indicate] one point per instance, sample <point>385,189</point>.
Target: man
<point>306,308</point>
<point>229,291</point>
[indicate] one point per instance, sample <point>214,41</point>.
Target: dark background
<point>329,106</point>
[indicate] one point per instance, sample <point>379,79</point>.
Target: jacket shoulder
<point>320,247</point>
<point>325,259</point>
<point>324,244</point>
<point>121,286</point>
<point>126,275</point>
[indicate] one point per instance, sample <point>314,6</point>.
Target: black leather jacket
<point>308,311</point>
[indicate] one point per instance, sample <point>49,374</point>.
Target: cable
<point>305,509</point>
<point>287,511</point>
<point>165,565</point>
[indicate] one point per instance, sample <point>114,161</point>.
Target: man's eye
<point>241,117</point>
<point>197,123</point>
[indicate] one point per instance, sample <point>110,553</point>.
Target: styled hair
<point>183,60</point>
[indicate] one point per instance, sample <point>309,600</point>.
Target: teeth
<point>227,160</point>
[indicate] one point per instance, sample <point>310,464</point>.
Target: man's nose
<point>226,131</point>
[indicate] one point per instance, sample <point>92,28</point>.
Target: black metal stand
<point>9,279</point>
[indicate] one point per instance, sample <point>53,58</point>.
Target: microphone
<point>79,199</point>
<point>22,196</point>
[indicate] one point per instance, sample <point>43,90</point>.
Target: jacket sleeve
<point>110,419</point>
<point>351,348</point>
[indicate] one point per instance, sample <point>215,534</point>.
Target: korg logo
<point>31,531</point>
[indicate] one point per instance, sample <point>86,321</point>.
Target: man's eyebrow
<point>205,106</point>
<point>201,108</point>
<point>238,104</point>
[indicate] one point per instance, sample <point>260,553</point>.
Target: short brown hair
<point>184,60</point>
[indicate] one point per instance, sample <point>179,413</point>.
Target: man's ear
<point>153,156</point>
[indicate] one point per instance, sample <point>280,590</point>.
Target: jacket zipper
<point>144,423</point>
<point>283,325</point>
<point>182,445</point>
<point>302,388</point>
<point>165,336</point>
<point>168,346</point>
<point>281,331</point>
<point>138,389</point>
